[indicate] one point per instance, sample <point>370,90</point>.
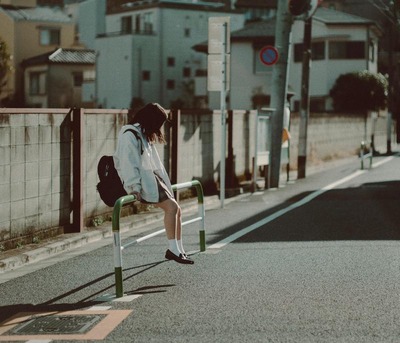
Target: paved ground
<point>315,261</point>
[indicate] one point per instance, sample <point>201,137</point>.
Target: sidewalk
<point>136,225</point>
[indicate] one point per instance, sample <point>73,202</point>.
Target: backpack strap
<point>138,138</point>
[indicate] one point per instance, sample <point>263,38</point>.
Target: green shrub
<point>360,92</point>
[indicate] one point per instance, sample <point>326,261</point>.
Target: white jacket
<point>137,170</point>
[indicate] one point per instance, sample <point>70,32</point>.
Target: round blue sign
<point>269,55</point>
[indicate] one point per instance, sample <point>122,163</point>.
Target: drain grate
<point>57,324</point>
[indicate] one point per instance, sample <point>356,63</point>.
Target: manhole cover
<point>57,324</point>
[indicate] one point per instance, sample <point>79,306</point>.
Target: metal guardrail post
<point>127,199</point>
<point>119,288</point>
<point>364,156</point>
<point>201,210</point>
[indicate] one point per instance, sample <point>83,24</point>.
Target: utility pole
<point>305,102</point>
<point>279,86</point>
<point>390,93</point>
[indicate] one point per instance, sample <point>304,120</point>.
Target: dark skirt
<point>163,192</point>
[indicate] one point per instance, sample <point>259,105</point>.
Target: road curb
<point>138,222</point>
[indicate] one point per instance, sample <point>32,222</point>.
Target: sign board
<point>218,37</point>
<point>216,70</point>
<point>269,55</point>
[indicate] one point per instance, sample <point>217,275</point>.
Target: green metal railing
<point>364,155</point>
<point>128,199</point>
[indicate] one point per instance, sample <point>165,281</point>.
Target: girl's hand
<point>137,195</point>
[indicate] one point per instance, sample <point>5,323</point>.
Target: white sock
<point>173,246</point>
<point>180,246</point>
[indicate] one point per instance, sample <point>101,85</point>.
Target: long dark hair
<point>151,117</point>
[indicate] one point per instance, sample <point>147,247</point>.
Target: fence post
<point>77,162</point>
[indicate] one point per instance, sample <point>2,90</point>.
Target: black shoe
<point>169,255</point>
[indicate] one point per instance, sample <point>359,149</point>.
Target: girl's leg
<point>172,218</point>
<point>173,228</point>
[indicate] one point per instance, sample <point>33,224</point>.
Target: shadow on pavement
<point>368,212</point>
<point>51,305</point>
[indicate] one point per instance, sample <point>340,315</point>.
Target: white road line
<point>280,213</point>
<point>387,159</point>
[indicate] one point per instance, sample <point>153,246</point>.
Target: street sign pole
<point>223,116</point>
<point>218,79</point>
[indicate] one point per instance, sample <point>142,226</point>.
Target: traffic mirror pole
<point>279,86</point>
<point>305,101</point>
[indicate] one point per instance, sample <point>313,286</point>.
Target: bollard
<point>117,241</point>
<point>117,247</point>
<point>364,156</point>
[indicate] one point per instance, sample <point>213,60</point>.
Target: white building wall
<point>91,21</point>
<point>114,81</point>
<point>151,52</point>
<point>247,79</point>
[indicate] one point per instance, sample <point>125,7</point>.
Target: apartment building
<point>30,30</point>
<point>145,49</point>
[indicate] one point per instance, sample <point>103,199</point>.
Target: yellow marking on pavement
<point>100,331</point>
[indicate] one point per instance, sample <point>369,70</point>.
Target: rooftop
<point>63,56</point>
<point>43,14</point>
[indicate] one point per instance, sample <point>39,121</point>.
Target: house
<point>145,49</point>
<point>341,43</point>
<point>29,30</point>
<point>57,79</point>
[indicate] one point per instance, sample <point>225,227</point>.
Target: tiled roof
<point>330,16</point>
<point>263,28</point>
<point>64,56</point>
<point>49,14</point>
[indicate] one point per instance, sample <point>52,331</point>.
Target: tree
<point>5,65</point>
<point>360,92</point>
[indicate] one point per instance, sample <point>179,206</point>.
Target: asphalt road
<point>315,261</point>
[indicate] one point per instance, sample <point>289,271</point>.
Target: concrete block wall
<point>34,172</point>
<point>334,136</point>
<point>36,165</point>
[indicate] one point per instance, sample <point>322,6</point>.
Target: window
<point>148,22</point>
<point>49,36</point>
<point>37,83</point>
<point>146,75</point>
<point>347,50</point>
<point>186,72</point>
<point>137,23</point>
<point>371,51</point>
<point>170,84</point>
<point>78,78</point>
<point>171,61</point>
<point>126,24</point>
<point>317,51</point>
<point>89,75</point>
<point>187,32</point>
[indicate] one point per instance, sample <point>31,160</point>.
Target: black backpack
<point>110,186</point>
